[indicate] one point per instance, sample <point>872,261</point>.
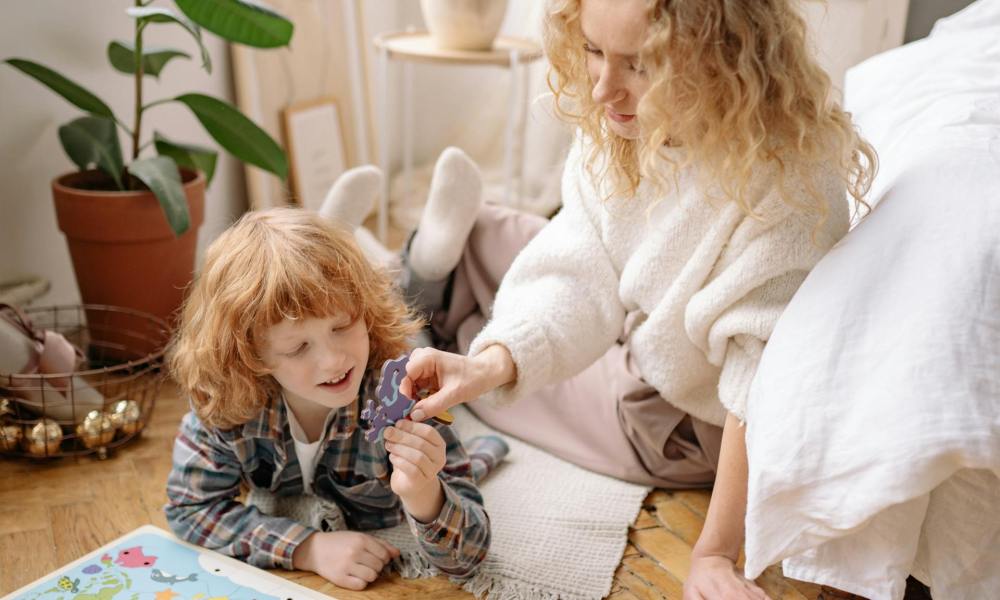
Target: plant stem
<point>138,85</point>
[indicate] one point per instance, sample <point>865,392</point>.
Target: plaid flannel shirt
<point>209,466</point>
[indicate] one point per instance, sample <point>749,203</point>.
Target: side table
<point>418,46</point>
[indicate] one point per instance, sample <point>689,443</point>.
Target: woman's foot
<point>349,201</point>
<point>352,196</point>
<point>452,206</point>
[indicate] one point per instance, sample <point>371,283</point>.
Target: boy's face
<point>320,361</point>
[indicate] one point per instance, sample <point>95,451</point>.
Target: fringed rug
<point>559,531</point>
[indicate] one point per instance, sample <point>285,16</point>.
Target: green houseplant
<point>131,225</point>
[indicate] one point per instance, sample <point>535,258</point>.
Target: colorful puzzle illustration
<point>151,564</point>
<point>392,405</point>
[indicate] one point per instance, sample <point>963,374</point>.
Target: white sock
<point>452,206</point>
<point>352,196</point>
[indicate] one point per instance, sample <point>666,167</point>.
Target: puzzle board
<point>151,564</point>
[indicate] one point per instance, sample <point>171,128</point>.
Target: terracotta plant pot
<point>463,24</point>
<point>124,252</point>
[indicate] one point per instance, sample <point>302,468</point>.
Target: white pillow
<point>978,15</point>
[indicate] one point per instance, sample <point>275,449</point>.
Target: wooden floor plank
<point>696,500</point>
<point>675,516</point>
<point>651,572</point>
<point>639,587</point>
<point>24,557</point>
<point>665,548</point>
<point>19,518</point>
<point>644,520</point>
<point>79,528</point>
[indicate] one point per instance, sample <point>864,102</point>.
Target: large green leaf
<point>69,90</point>
<point>93,141</point>
<point>194,157</point>
<point>237,134</point>
<point>161,176</point>
<point>247,22</point>
<point>121,55</point>
<point>150,14</point>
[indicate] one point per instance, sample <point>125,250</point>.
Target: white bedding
<point>874,420</point>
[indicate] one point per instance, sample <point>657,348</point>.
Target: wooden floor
<point>53,512</point>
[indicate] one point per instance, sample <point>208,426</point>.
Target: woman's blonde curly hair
<point>283,263</point>
<point>733,83</point>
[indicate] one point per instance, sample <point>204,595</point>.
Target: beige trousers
<point>606,418</point>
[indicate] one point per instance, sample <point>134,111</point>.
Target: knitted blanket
<point>559,531</point>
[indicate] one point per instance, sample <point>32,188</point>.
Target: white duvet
<point>874,420</point>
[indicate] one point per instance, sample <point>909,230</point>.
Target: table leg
<point>383,150</point>
<point>523,128</point>
<point>508,154</point>
<point>407,132</point>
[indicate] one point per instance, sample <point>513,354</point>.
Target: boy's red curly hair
<point>277,264</point>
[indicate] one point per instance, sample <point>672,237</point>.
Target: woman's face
<point>614,31</point>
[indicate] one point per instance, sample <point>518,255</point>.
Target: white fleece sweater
<point>701,283</point>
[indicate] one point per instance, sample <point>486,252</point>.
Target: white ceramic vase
<point>463,24</point>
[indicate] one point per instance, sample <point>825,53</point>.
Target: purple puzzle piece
<point>393,405</point>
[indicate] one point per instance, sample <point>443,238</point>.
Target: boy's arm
<point>457,540</point>
<point>202,506</point>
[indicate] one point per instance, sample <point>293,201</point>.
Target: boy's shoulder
<point>265,424</point>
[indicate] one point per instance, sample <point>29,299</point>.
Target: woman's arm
<point>713,560</point>
<point>723,531</point>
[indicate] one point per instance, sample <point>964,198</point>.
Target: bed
<point>874,419</point>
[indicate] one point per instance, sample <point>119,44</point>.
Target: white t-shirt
<point>305,450</point>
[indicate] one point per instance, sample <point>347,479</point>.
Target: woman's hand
<point>715,578</point>
<point>454,378</point>
<point>348,559</point>
<point>417,454</point>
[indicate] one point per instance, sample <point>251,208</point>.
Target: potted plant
<point>131,227</point>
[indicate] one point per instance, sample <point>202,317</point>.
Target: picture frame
<point>329,57</point>
<point>317,153</point>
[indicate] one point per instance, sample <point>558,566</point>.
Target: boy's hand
<point>348,559</point>
<point>417,453</point>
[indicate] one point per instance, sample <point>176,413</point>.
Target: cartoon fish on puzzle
<point>69,585</point>
<point>164,577</point>
<point>133,558</point>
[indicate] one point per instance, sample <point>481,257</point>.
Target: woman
<point>706,179</point>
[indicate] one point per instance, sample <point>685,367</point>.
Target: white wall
<point>71,37</point>
<point>846,32</point>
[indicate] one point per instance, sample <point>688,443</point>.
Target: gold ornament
<point>6,409</point>
<point>10,436</point>
<point>125,415</point>
<point>43,438</point>
<point>95,429</point>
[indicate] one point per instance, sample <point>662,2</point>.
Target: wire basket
<point>101,405</point>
